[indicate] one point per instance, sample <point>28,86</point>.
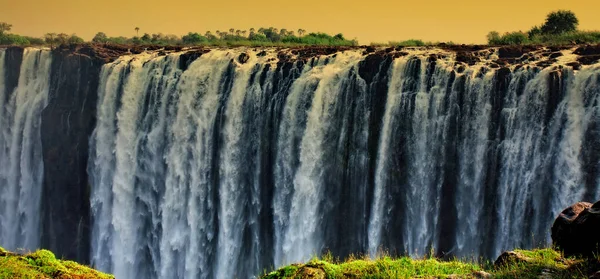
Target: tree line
<point>261,36</point>
<point>560,27</point>
<point>258,37</point>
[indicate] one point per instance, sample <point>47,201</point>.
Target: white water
<point>21,166</point>
<point>227,169</point>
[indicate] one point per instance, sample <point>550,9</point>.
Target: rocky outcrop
<point>576,230</point>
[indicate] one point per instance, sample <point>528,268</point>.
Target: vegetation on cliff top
<point>560,28</point>
<point>42,264</point>
<point>542,263</point>
<point>234,37</point>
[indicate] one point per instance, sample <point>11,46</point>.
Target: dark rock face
<point>243,58</point>
<point>187,58</point>
<point>576,230</point>
<point>14,57</point>
<point>67,122</point>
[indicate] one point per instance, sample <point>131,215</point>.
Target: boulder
<point>509,257</point>
<point>576,230</point>
<point>243,58</point>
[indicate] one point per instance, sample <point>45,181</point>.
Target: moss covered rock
<point>43,264</point>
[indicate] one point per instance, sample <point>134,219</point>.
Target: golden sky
<point>460,21</point>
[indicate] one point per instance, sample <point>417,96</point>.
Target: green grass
<point>42,264</point>
<point>533,264</point>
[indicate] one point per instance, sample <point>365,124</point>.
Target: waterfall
<point>21,167</point>
<point>227,162</point>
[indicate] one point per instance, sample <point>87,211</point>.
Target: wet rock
<point>187,58</point>
<point>588,50</point>
<point>555,55</point>
<point>588,59</point>
<point>467,57</point>
<point>575,230</point>
<point>243,58</point>
<point>574,65</point>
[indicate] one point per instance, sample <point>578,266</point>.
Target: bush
<point>512,38</point>
<point>13,39</point>
<point>409,43</point>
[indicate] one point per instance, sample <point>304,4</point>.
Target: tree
<point>193,38</point>
<point>231,30</point>
<point>146,37</point>
<point>493,38</point>
<point>560,22</point>
<point>63,38</point>
<point>536,30</point>
<point>137,31</point>
<point>5,27</point>
<point>100,38</point>
<point>301,32</point>
<point>74,39</point>
<point>50,38</point>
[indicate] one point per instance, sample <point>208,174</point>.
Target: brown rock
<point>576,230</point>
<point>574,65</point>
<point>509,257</point>
<point>588,59</point>
<point>308,272</point>
<point>588,50</point>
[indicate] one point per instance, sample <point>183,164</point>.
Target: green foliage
<point>560,22</point>
<point>100,38</point>
<point>44,265</point>
<point>541,263</point>
<point>13,39</point>
<point>514,38</point>
<point>5,27</point>
<point>559,28</point>
<point>536,263</point>
<point>410,43</point>
<point>384,267</point>
<point>193,39</point>
<point>74,39</point>
<point>534,31</point>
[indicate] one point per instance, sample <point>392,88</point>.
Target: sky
<point>459,21</point>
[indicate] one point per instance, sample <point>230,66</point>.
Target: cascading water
<point>225,168</point>
<point>224,163</point>
<point>21,167</point>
